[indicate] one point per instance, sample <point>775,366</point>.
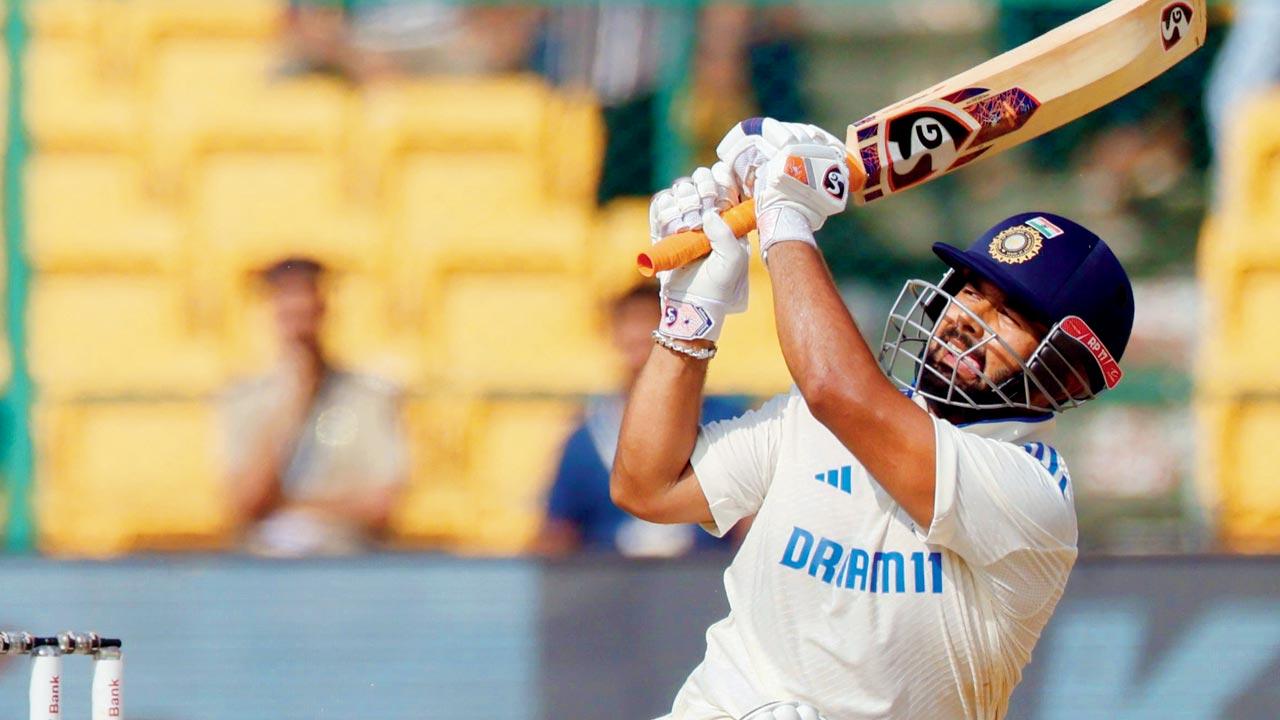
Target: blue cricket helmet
<point>1052,268</point>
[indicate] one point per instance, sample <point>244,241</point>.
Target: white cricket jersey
<point>838,599</point>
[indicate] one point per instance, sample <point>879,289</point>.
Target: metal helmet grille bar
<point>1064,371</point>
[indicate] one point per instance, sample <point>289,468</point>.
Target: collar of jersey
<point>1008,429</point>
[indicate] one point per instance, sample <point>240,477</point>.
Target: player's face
<point>961,331</point>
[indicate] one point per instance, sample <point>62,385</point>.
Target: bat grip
<point>683,248</point>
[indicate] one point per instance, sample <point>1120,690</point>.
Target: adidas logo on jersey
<point>840,478</point>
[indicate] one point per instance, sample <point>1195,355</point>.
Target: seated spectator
<point>580,514</point>
<point>368,40</point>
<point>315,454</point>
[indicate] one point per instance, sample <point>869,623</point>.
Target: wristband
<point>693,352</point>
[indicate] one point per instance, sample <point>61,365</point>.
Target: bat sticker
<point>1175,23</point>
<point>923,142</point>
<point>936,138</point>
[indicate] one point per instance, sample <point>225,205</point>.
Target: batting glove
<point>696,297</point>
<point>789,710</point>
<point>797,190</point>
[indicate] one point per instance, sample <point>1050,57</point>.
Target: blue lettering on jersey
<point>840,478</point>
<point>1052,462</point>
<point>855,569</point>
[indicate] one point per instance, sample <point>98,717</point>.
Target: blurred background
<point>320,315</point>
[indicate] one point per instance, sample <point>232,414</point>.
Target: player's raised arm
<point>835,371</point>
<point>652,477</point>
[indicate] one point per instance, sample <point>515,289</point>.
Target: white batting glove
<point>802,185</point>
<point>789,710</point>
<point>745,148</point>
<point>696,297</point>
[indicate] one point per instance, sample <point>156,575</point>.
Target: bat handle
<point>683,248</point>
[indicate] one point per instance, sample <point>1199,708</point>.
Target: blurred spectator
<point>367,40</point>
<point>1248,65</point>
<point>315,454</point>
<point>580,514</point>
<point>745,63</point>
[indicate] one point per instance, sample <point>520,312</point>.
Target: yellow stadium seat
<point>116,477</point>
<point>201,19</point>
<point>523,333</point>
<point>361,332</point>
<point>510,465</point>
<point>79,19</point>
<point>73,101</point>
<point>452,115</point>
<point>574,148</point>
<point>621,232</point>
<point>251,209</point>
<point>437,508</point>
<point>1243,455</point>
<point>449,210</point>
<point>1251,166</point>
<point>1240,352</point>
<point>219,95</point>
<point>87,212</point>
<point>115,335</point>
<point>750,360</point>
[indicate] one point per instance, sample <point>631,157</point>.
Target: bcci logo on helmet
<point>1016,245</point>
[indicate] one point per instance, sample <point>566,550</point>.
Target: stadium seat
<point>621,232</point>
<point>125,476</point>
<point>74,103</point>
<point>1241,457</point>
<point>1251,166</point>
<point>750,360</point>
<point>437,508</point>
<point>512,332</point>
<point>218,95</point>
<point>86,212</point>
<point>114,336</point>
<point>457,115</point>
<point>451,211</point>
<point>1240,350</point>
<point>78,19</point>
<point>253,208</point>
<point>510,465</point>
<point>574,148</point>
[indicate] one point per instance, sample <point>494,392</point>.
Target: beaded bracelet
<point>672,345</point>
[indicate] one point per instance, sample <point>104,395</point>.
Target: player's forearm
<point>842,383</point>
<point>659,429</point>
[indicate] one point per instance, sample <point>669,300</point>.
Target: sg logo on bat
<point>1175,23</point>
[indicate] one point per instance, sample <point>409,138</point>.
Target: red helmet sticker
<point>1080,330</point>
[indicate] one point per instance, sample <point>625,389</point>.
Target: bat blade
<point>1028,91</point>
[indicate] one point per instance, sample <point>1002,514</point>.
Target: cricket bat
<point>1062,75</point>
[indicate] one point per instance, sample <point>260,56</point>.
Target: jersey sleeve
<point>735,461</point>
<point>994,498</point>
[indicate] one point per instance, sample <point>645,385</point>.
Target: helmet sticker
<point>1044,227</point>
<point>1016,245</point>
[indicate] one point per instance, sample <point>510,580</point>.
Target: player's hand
<point>802,184</point>
<point>696,297</point>
<point>789,710</point>
<point>744,149</point>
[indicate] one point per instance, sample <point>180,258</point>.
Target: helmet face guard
<point>1069,367</point>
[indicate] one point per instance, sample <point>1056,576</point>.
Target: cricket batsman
<point>913,529</point>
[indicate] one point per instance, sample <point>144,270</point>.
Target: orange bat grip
<point>683,248</point>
